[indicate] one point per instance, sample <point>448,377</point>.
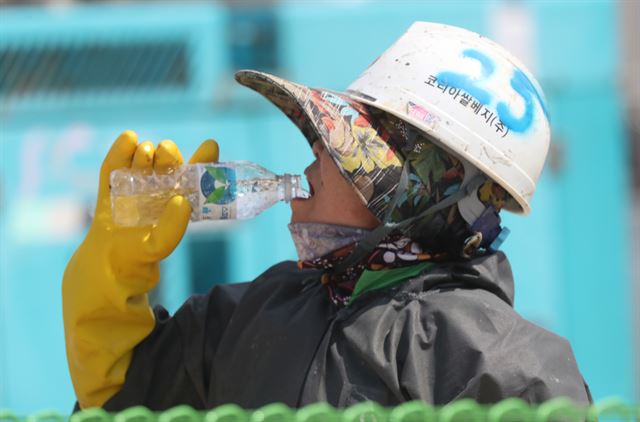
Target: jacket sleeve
<point>173,364</point>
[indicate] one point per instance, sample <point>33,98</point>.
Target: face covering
<point>314,240</point>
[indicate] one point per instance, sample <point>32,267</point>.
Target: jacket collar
<point>489,272</point>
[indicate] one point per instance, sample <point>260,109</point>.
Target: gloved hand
<point>105,305</point>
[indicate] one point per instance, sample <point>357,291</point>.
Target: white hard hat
<point>470,96</point>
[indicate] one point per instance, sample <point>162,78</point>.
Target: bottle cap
<point>292,188</point>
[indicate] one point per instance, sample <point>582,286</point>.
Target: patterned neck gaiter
<point>323,246</point>
<point>313,240</point>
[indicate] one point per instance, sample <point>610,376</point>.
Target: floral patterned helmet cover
<point>369,147</point>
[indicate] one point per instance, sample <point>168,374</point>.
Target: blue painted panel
<point>330,46</point>
<point>594,229</point>
<point>573,58</point>
<point>532,242</point>
<point>35,373</point>
<point>37,238</point>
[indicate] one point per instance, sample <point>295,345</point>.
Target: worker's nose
<point>317,148</point>
<point>309,169</point>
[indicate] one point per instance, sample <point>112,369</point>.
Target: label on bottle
<point>218,197</point>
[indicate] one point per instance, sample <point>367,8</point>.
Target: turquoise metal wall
<point>593,201</point>
<point>569,257</point>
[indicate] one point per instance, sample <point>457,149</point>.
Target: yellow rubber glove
<point>105,285</point>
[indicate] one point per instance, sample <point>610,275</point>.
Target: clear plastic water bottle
<point>216,191</point>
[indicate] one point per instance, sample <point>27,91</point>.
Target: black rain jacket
<point>447,334</point>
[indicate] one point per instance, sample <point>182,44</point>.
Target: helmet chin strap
<point>470,207</point>
<point>366,245</point>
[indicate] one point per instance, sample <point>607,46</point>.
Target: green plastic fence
<point>463,410</point>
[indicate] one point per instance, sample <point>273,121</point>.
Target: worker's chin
<point>301,210</point>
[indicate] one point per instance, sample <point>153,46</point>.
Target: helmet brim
<point>364,158</point>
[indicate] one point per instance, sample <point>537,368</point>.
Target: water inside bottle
<point>139,209</point>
